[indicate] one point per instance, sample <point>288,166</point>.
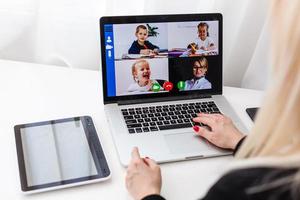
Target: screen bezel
<point>94,145</point>
<point>217,89</point>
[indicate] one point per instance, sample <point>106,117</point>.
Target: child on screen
<point>142,45</point>
<point>141,73</point>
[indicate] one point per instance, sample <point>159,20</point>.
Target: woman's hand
<point>223,133</point>
<point>143,176</point>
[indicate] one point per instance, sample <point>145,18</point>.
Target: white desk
<point>32,92</point>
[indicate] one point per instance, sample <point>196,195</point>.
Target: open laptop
<point>158,72</point>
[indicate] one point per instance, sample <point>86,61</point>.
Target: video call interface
<point>147,58</point>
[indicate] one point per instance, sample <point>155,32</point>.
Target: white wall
<point>66,32</point>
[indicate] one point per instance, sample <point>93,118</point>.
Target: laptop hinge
<point>162,99</point>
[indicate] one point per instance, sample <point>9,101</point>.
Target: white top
<point>135,87</point>
<point>197,84</point>
<point>204,43</point>
<point>34,92</point>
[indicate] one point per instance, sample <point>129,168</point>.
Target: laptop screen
<point>161,56</point>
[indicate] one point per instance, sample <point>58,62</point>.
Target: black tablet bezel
<point>94,145</point>
<point>218,89</point>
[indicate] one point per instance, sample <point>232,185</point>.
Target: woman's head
<point>141,33</point>
<point>200,67</point>
<point>141,72</point>
<point>277,127</point>
<point>203,30</point>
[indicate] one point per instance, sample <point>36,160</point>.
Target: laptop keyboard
<point>165,117</point>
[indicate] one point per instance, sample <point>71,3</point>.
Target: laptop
<point>158,72</point>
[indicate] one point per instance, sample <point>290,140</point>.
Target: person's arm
<point>221,132</point>
<point>143,178</point>
<point>134,49</point>
<point>239,144</point>
<point>150,45</point>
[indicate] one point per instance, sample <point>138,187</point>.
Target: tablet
<point>59,153</point>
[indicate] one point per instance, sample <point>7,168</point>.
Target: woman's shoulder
<point>255,182</point>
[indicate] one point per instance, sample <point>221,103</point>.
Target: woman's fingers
<point>203,132</point>
<point>205,120</point>
<point>135,155</point>
<point>151,163</point>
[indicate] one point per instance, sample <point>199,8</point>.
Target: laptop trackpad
<point>185,143</point>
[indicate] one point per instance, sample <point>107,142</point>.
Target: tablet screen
<point>58,152</point>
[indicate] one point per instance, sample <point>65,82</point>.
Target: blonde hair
<point>275,137</point>
<point>203,62</point>
<point>277,128</point>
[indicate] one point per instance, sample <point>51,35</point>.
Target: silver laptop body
<point>160,143</point>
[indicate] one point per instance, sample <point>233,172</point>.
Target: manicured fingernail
<point>196,128</point>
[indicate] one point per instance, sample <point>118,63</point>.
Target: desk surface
<point>32,92</point>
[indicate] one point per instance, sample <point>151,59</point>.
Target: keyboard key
<point>175,126</point>
<point>179,121</point>
<point>160,118</point>
<point>172,109</point>
<point>138,130</point>
<point>154,119</point>
<point>187,116</point>
<point>147,120</point>
<point>150,115</point>
<point>152,123</point>
<point>146,129</point>
<point>166,122</point>
<point>173,121</point>
<point>170,113</point>
<point>167,118</point>
<point>159,123</point>
<point>131,121</point>
<point>125,113</point>
<point>134,125</point>
<point>140,120</point>
<point>153,128</point>
<point>128,117</point>
<point>131,130</point>
<point>146,124</point>
<point>186,120</point>
<point>194,115</point>
<point>174,117</point>
<point>177,113</point>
